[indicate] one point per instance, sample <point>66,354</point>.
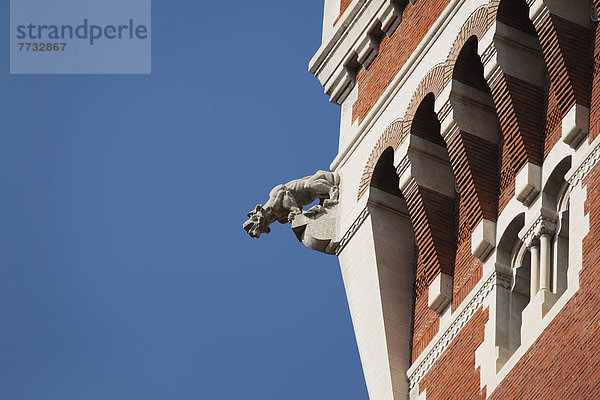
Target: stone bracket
<point>319,232</point>
<point>440,293</point>
<point>575,125</point>
<point>483,239</point>
<point>528,183</point>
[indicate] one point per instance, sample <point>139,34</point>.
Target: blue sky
<point>124,269</point>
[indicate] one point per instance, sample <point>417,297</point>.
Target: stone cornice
<point>362,216</point>
<point>350,39</point>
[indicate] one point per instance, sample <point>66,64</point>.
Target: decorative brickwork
<point>569,61</point>
<point>434,82</point>
<point>467,273</point>
<point>477,25</point>
<point>426,325</point>
<point>520,109</point>
<point>429,216</point>
<point>530,117</point>
<point>391,137</point>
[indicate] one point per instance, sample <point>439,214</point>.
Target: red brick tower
<point>469,216</point>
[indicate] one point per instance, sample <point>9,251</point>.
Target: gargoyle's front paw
<point>313,211</point>
<point>330,203</point>
<point>292,215</point>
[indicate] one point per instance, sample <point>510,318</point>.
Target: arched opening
<point>425,123</point>
<point>557,198</point>
<point>468,68</point>
<point>437,191</point>
<point>515,13</point>
<point>384,174</point>
<point>514,256</point>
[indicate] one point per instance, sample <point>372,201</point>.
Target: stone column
<point>535,269</point>
<point>545,258</point>
<point>537,235</point>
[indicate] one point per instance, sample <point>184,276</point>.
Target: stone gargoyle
<point>286,201</point>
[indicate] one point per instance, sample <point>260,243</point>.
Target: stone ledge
<point>319,231</point>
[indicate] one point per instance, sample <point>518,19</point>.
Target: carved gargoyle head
<point>257,222</point>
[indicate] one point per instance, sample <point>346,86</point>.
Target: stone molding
<point>351,37</point>
<point>362,216</point>
<point>426,361</point>
<point>589,161</point>
<point>391,137</point>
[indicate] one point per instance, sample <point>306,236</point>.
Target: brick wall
<point>454,375</point>
<point>530,125</point>
<point>393,53</point>
<point>426,325</point>
<point>563,363</point>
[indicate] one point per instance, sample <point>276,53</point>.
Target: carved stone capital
<point>544,224</point>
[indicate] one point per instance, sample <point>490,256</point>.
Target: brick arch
<point>492,8</point>
<point>391,137</point>
<point>477,25</point>
<point>434,82</point>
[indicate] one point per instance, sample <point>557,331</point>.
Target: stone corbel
<point>368,50</point>
<point>440,293</point>
<point>575,125</point>
<point>483,239</point>
<point>319,232</point>
<point>528,183</point>
<point>391,16</point>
